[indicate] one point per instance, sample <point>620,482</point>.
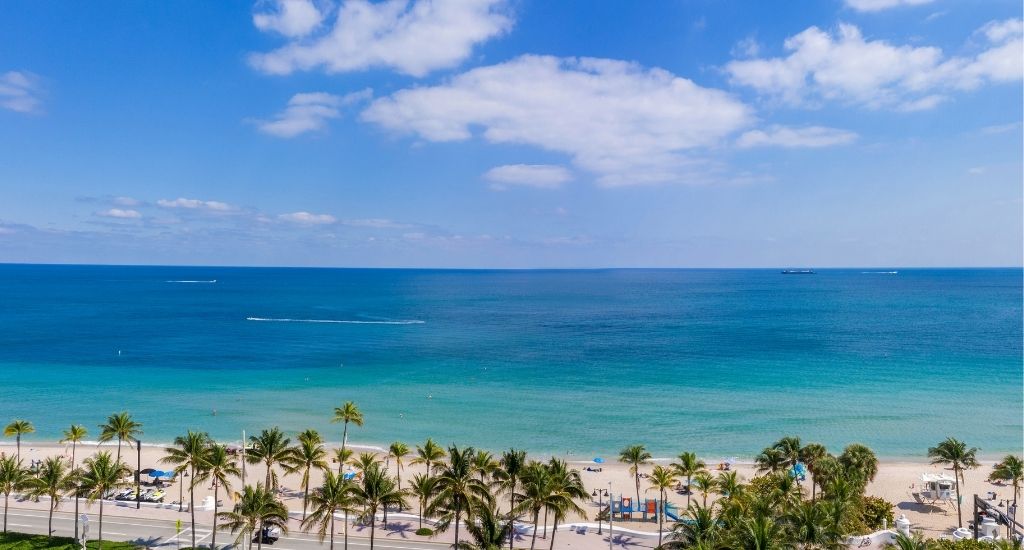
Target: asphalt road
<point>160,533</point>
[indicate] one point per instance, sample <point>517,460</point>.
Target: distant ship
<point>797,272</point>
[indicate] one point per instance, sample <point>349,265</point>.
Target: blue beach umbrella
<point>157,474</point>
<point>598,460</point>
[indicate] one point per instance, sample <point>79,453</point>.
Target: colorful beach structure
<point>628,508</point>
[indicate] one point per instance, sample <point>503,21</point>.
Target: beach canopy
<point>147,471</point>
<point>348,475</point>
<point>928,478</point>
<point>798,471</point>
<point>160,473</point>
<point>598,460</point>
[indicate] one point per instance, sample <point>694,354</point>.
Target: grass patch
<point>22,541</point>
<point>425,532</point>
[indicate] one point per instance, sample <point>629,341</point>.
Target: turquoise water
<point>717,361</point>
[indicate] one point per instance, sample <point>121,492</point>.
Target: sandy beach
<point>895,482</point>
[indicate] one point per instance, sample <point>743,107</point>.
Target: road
<point>161,533</point>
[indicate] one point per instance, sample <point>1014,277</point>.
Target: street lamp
<point>611,515</point>
<point>181,490</point>
<point>600,506</point>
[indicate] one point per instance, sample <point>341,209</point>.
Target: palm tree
<point>662,479</point>
<point>488,531</point>
<point>702,526</point>
<point>760,532</point>
<point>770,460</point>
<point>635,456</point>
<point>811,455</point>
<point>189,454</point>
<point>705,484</point>
<point>305,456</point>
<point>377,490</point>
<point>729,485</point>
<point>73,435</point>
<point>457,491</point>
<point>1010,469</point>
<point>18,428</point>
<point>255,509</point>
<point>512,463</point>
<point>809,526</point>
<point>536,488</point>
<point>335,495</point>
<point>364,461</point>
<point>422,488</point>
<point>102,473</point>
<point>688,465</point>
<point>52,480</point>
<point>790,448</point>
<point>430,455</point>
<point>959,457</point>
<point>219,466</point>
<point>484,464</point>
<point>914,542</point>
<point>270,448</point>
<point>565,488</point>
<point>860,461</point>
<point>346,413</point>
<point>342,456</point>
<point>397,451</point>
<point>12,478</point>
<point>122,427</point>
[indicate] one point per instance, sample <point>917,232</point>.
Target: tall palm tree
<point>488,531</point>
<point>959,457</point>
<point>728,484</point>
<point>52,480</point>
<point>189,454</point>
<point>73,435</point>
<point>12,478</point>
<point>811,455</point>
<point>760,532</point>
<point>422,487</point>
<point>365,461</point>
<point>860,461</point>
<point>346,413</point>
<point>335,495</point>
<point>687,464</point>
<point>303,458</point>
<point>342,456</point>
<point>101,474</point>
<point>457,490</point>
<point>790,448</point>
<point>430,455</point>
<point>18,428</point>
<point>269,447</point>
<point>397,451</point>
<point>512,463</point>
<point>218,466</point>
<point>809,526</point>
<point>635,456</point>
<point>375,491</point>
<point>255,508</point>
<point>705,484</point>
<point>662,479</point>
<point>1010,469</point>
<point>484,464</point>
<point>770,460</point>
<point>566,488</point>
<point>122,427</point>
<point>535,485</point>
<point>913,542</point>
<point>701,526</point>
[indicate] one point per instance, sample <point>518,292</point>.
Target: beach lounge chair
<point>917,497</point>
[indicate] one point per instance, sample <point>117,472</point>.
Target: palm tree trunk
<point>17,439</point>
<point>346,529</point>
<point>688,491</point>
<point>266,486</point>
<point>536,520</point>
<point>421,514</point>
<point>100,539</point>
<point>73,445</point>
<point>119,451</point>
<point>545,524</point>
<point>373,527</point>
<point>192,505</point>
<point>332,530</point>
<point>6,497</point>
<point>661,516</point>
<point>305,496</point>
<point>457,526</point>
<point>638,488</point>
<point>259,536</point>
<point>959,514</point>
<point>344,436</point>
<point>213,539</point>
<point>49,522</point>
<point>554,531</point>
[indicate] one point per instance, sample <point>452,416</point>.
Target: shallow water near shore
<point>721,362</point>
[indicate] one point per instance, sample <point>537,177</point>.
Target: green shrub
<point>22,541</point>
<point>425,532</point>
<point>874,510</point>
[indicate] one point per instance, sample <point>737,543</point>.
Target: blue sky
<point>512,133</point>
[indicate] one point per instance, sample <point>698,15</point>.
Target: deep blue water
<point>717,361</point>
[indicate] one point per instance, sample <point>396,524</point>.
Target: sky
<point>512,133</point>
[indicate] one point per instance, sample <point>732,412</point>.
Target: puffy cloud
<point>195,204</point>
<point>19,92</point>
<point>292,18</point>
<point>309,112</point>
<point>873,73</point>
<point>541,176</point>
<point>412,37</point>
<point>124,214</point>
<point>626,123</point>
<point>376,223</point>
<point>782,136</point>
<point>879,5</point>
<point>307,218</point>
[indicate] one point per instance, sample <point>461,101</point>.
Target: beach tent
<point>158,474</point>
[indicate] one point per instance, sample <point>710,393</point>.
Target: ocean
<point>573,362</point>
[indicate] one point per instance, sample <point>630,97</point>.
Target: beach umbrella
<point>598,460</point>
<point>147,471</point>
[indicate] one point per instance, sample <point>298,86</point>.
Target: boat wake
<point>879,272</point>
<point>209,282</point>
<point>337,321</point>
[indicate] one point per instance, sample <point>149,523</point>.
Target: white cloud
<point>125,201</point>
<point>309,112</point>
<point>291,18</point>
<point>999,31</point>
<point>879,5</point>
<point>195,204</point>
<point>626,123</point>
<point>976,170</point>
<point>748,47</point>
<point>306,218</point>
<point>19,92</point>
<point>376,223</point>
<point>124,214</point>
<point>1000,128</point>
<point>541,176</point>
<point>413,37</point>
<point>809,136</point>
<point>873,73</point>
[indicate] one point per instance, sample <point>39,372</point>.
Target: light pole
<point>600,494</point>
<point>611,514</point>
<point>138,474</point>
<point>181,491</point>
